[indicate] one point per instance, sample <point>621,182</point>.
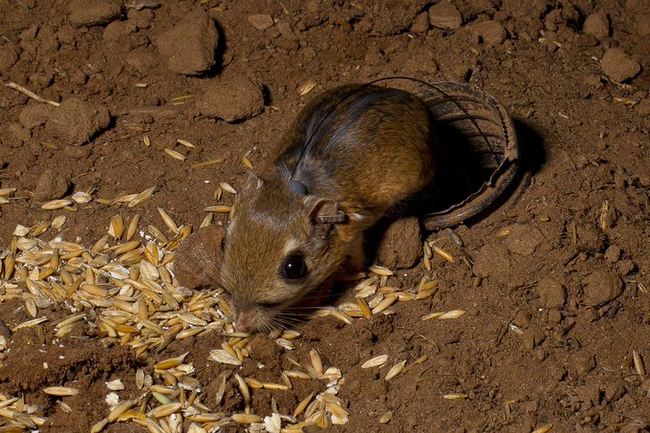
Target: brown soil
<point>557,297</point>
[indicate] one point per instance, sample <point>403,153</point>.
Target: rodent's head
<point>278,255</point>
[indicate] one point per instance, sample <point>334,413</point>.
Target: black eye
<point>294,267</point>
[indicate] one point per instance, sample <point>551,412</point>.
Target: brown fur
<point>366,149</point>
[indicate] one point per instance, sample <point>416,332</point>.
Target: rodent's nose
<point>245,321</point>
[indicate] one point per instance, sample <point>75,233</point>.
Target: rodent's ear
<point>321,210</point>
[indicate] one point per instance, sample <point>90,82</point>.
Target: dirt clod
<point>444,15</point>
<point>189,48</point>
<point>601,287</point>
<point>552,293</point>
<point>597,25</point>
<point>401,246</point>
<point>619,66</point>
<point>232,100</point>
<point>52,185</point>
<point>76,121</point>
<point>260,21</point>
<point>93,12</point>
<point>490,32</point>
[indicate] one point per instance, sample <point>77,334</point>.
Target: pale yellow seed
<point>7,192</point>
<point>61,391</point>
<point>543,429</point>
<point>99,426</point>
<point>29,323</point>
<point>377,361</point>
<point>174,154</point>
<point>316,361</point>
<point>3,201</point>
<point>58,222</point>
<point>146,140</point>
<point>386,417</point>
<point>380,270</point>
<point>453,314</point>
<point>133,227</point>
<point>444,254</point>
<point>455,396</point>
<point>638,363</point>
<point>31,308</point>
<point>246,418</point>
<point>119,410</point>
<point>171,362</point>
<point>169,222</point>
<point>227,187</point>
<point>208,163</point>
<point>387,302</point>
<point>116,226</point>
<point>247,163</point>
<point>306,87</point>
<point>303,405</point>
<point>165,410</point>
<point>185,143</point>
<point>395,370</point>
<point>434,315</point>
<point>254,383</point>
<point>56,204</point>
<point>141,197</point>
<point>218,209</point>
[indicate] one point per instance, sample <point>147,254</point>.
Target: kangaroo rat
<point>350,155</point>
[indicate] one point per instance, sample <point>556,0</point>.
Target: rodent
<point>351,154</point>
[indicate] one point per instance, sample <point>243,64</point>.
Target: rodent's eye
<point>294,267</point>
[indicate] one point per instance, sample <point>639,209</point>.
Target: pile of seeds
<point>124,287</point>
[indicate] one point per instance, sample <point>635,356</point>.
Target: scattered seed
<point>306,87</point>
<point>246,418</point>
<point>61,391</point>
<point>227,187</point>
<point>168,221</point>
<point>638,363</point>
<point>453,314</point>
<point>7,192</point>
<point>377,361</point>
<point>185,143</point>
<point>395,370</point>
<point>218,209</point>
<point>543,429</point>
<point>247,163</point>
<point>81,197</point>
<point>455,396</point>
<point>174,154</point>
<point>386,417</point>
<point>165,410</point>
<point>444,254</point>
<point>56,204</point>
<point>380,270</point>
<point>434,315</point>
<point>208,163</point>
<point>141,197</point>
<point>58,222</point>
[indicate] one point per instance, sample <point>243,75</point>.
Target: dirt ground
<point>554,285</point>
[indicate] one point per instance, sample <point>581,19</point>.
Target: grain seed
<point>316,361</point>
<point>7,192</point>
<point>455,396</point>
<point>208,163</point>
<point>444,254</point>
<point>168,221</point>
<point>543,429</point>
<point>56,204</point>
<point>116,226</point>
<point>638,363</point>
<point>223,357</point>
<point>247,163</point>
<point>165,410</point>
<point>227,187</point>
<point>452,314</point>
<point>58,222</point>
<point>434,315</point>
<point>141,197</point>
<point>174,154</point>
<point>244,391</point>
<point>246,418</point>
<point>171,362</point>
<point>218,209</point>
<point>61,391</point>
<point>377,361</point>
<point>306,87</point>
<point>185,143</point>
<point>386,417</point>
<point>99,426</point>
<point>81,197</point>
<point>395,370</point>
<point>380,270</point>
